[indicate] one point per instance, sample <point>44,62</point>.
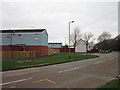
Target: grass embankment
<point>112,85</point>
<point>61,54</point>
<point>46,60</point>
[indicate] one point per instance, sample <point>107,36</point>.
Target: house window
<point>8,35</point>
<point>36,34</point>
<point>19,35</point>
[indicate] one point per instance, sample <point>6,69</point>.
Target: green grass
<point>104,51</point>
<point>0,66</point>
<point>36,61</point>
<point>65,58</point>
<point>56,54</point>
<point>14,64</point>
<point>112,84</point>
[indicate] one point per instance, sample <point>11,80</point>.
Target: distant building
<point>25,40</point>
<point>81,46</point>
<point>117,37</point>
<point>55,45</point>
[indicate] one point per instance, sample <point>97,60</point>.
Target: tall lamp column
<point>69,36</point>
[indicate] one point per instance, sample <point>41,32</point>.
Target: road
<point>89,73</point>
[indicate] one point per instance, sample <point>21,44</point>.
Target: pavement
<point>89,73</point>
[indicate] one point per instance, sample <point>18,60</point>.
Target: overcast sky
<point>54,16</point>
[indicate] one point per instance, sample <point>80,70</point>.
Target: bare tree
<point>75,36</point>
<point>104,36</point>
<point>87,37</point>
<point>104,40</point>
<point>110,44</point>
<point>92,43</point>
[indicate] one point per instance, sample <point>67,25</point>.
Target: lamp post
<point>69,37</point>
<point>10,40</point>
<point>65,45</point>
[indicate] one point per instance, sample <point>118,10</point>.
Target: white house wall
<point>81,46</point>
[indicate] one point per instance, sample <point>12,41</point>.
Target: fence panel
<point>19,54</point>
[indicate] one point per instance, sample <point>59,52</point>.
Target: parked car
<point>109,50</point>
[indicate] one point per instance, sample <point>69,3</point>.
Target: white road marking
<point>60,71</point>
<point>66,70</point>
<point>103,61</point>
<point>66,63</point>
<point>72,69</point>
<point>113,58</point>
<point>112,79</point>
<point>15,81</point>
<point>99,62</point>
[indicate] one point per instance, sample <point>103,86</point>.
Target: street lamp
<point>69,37</point>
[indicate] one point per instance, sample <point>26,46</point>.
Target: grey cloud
<point>54,16</point>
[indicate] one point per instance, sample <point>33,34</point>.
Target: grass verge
<point>38,61</point>
<point>114,84</point>
<point>60,54</point>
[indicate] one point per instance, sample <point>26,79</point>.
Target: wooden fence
<point>19,54</point>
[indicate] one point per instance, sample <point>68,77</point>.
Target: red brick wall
<point>4,48</point>
<point>64,50</point>
<point>42,49</point>
<point>67,50</point>
<point>12,48</point>
<point>54,48</point>
<point>93,51</point>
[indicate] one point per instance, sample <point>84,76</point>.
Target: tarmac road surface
<point>89,73</point>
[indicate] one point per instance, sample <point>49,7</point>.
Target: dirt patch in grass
<point>30,61</point>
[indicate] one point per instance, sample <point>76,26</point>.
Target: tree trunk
<point>74,48</point>
<point>86,47</point>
